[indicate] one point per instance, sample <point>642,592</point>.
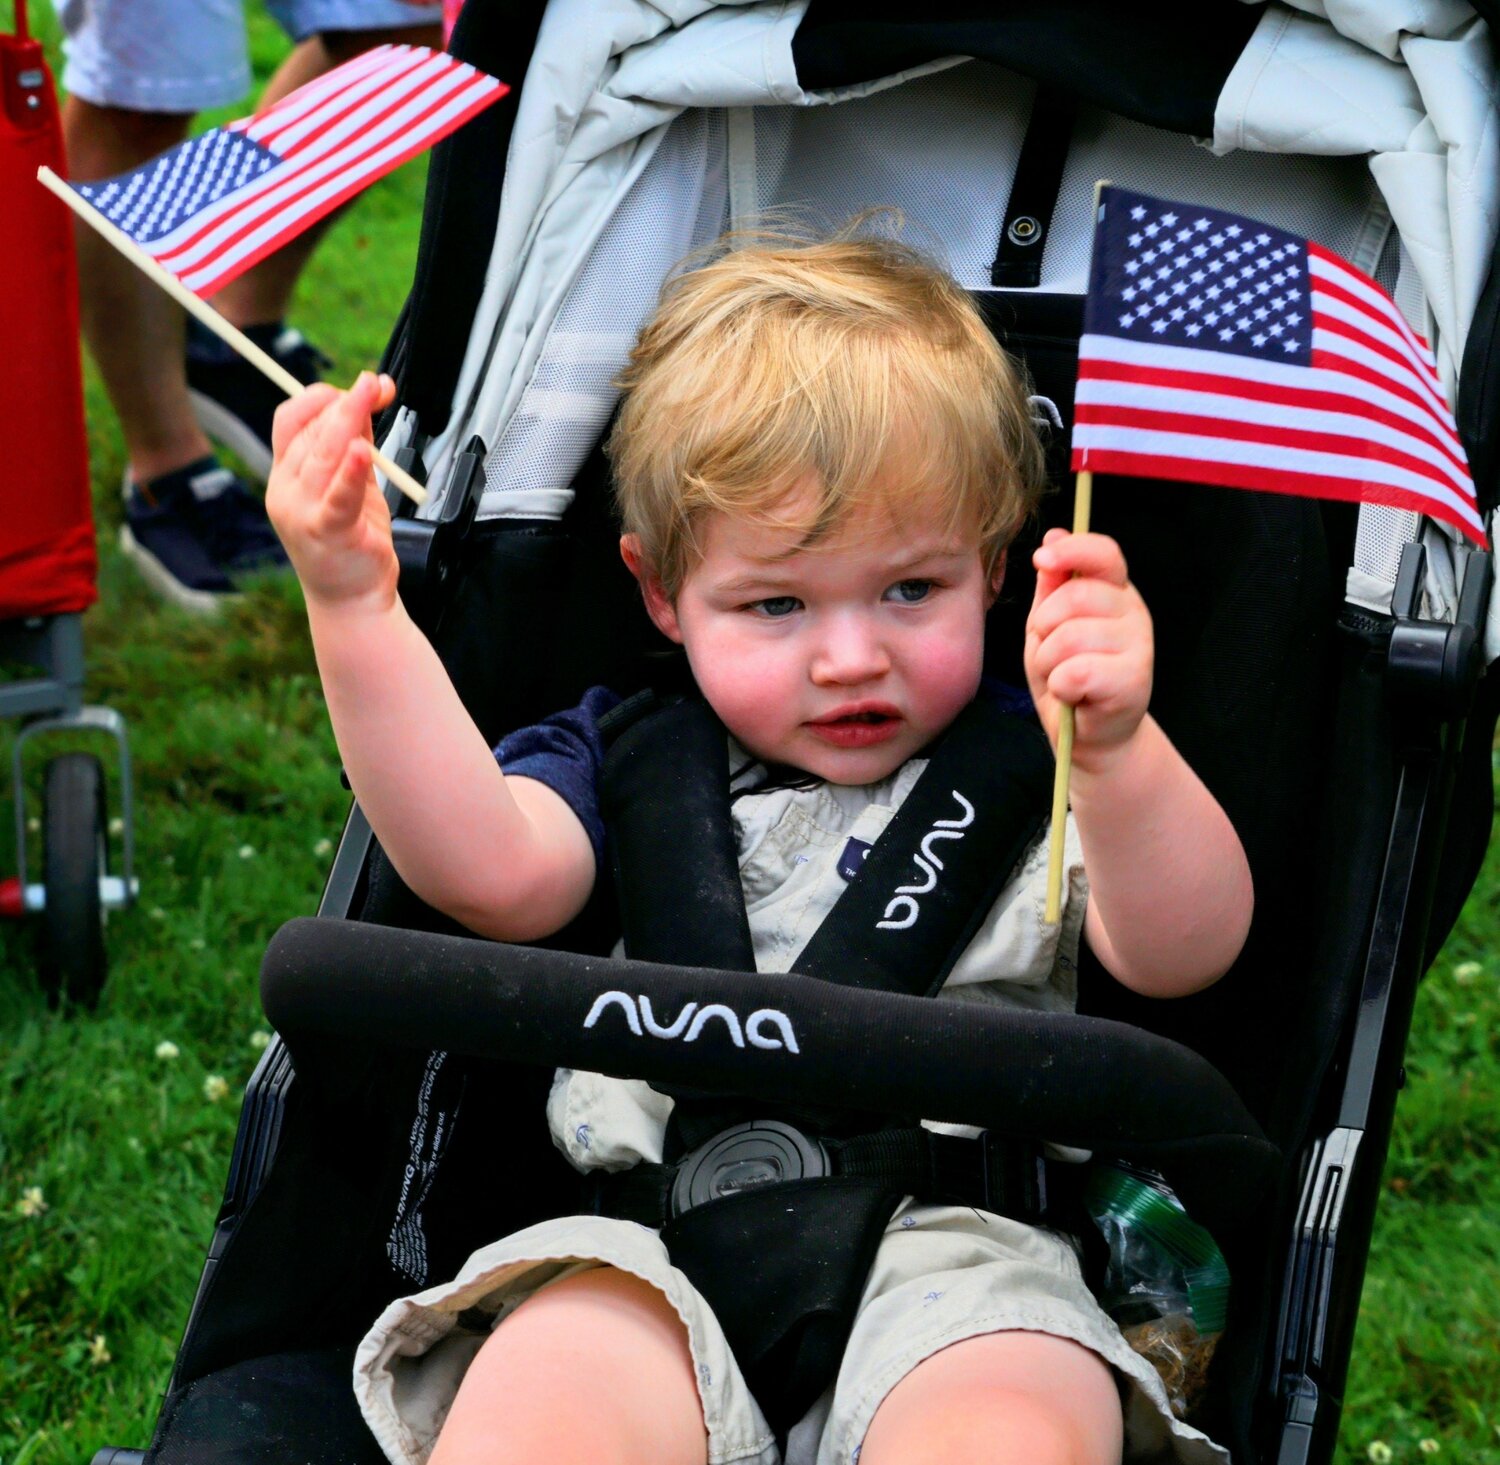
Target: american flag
<point>211,208</point>
<point>1219,350</point>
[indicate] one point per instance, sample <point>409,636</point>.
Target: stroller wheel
<point>73,833</point>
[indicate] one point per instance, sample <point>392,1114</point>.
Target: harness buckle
<point>746,1157</point>
<point>1014,1175</point>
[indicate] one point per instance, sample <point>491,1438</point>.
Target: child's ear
<point>997,579</point>
<point>658,603</point>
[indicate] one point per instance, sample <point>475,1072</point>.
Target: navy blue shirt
<point>566,752</point>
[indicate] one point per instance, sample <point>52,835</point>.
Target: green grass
<point>238,798</point>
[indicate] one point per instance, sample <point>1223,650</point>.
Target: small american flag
<point>1220,350</point>
<point>212,207</point>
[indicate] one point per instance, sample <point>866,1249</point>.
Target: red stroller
<point>47,556</point>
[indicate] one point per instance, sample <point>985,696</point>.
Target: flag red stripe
<point>306,100</point>
<point>1408,351</point>
<point>1332,361</point>
<point>1188,440</point>
<point>222,274</point>
<point>1173,380</point>
<point>1370,296</point>
<point>407,78</point>
<point>287,188</point>
<point>1351,448</point>
<point>1341,329</point>
<point>1302,485</point>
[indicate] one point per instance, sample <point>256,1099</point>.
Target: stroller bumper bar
<point>329,986</point>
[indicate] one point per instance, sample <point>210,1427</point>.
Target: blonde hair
<point>839,357</point>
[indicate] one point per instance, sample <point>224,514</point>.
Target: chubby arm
<point>506,857</point>
<point>1170,895</point>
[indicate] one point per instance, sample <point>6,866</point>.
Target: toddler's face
<point>844,659</point>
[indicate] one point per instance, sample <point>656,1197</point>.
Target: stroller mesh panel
<point>571,395</point>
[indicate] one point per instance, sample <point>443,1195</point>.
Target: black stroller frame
<point>1273,1094</point>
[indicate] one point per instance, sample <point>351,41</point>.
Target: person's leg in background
<point>136,72</point>
<point>233,401</point>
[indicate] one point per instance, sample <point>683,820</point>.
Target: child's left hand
<point>1088,644</point>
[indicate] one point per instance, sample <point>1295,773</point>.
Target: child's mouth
<point>859,727</point>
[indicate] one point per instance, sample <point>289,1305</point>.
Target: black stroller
<point>1323,670</point>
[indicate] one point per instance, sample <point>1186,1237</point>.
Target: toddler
<point>820,459</point>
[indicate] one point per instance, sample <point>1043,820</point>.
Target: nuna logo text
<point>764,1028</point>
<point>903,910</point>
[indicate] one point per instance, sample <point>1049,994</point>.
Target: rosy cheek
<point>950,672</point>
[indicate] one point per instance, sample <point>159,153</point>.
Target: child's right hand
<point>323,499</point>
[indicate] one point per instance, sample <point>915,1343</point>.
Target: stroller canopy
<point>643,130</point>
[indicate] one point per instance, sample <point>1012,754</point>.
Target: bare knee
<point>602,1335</point>
<point>1023,1397</point>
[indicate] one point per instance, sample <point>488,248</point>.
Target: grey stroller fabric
<point>643,131</point>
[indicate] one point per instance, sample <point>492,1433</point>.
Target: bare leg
<point>592,1371</point>
<point>264,294</point>
<point>134,331</point>
<point>1006,1397</point>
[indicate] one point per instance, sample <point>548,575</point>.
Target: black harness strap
<point>989,1173</point>
<point>665,800</point>
<point>928,883</point>
<point>924,888</point>
<point>1033,194</point>
<point>784,1265</point>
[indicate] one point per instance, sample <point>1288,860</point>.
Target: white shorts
<point>942,1274</point>
<point>164,56</point>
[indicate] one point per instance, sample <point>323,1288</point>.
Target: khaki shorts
<point>942,1274</point>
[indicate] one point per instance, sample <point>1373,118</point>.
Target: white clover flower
<point>1466,972</point>
<point>117,825</point>
<point>1380,1452</point>
<point>33,825</point>
<point>167,1050</point>
<point>260,1039</point>
<point>215,1087</point>
<point>98,1351</point>
<point>32,1202</point>
<point>323,847</point>
<point>1429,1446</point>
<point>247,851</point>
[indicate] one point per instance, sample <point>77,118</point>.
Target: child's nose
<point>850,651</point>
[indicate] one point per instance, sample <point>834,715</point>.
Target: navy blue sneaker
<point>192,531</point>
<point>232,400</point>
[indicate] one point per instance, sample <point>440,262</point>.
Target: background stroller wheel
<point>73,825</point>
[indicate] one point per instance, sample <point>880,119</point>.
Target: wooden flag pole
<point>1083,495</point>
<point>1083,499</point>
<point>210,317</point>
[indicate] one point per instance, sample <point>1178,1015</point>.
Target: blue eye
<point>777,607</point>
<point>909,592</point>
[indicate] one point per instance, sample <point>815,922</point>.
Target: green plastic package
<point>1166,1283</point>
